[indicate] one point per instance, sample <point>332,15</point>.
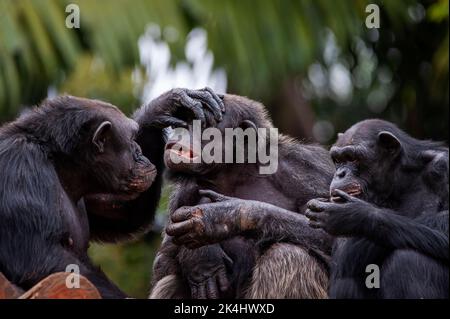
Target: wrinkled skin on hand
<point>335,217</point>
<point>206,273</point>
<point>210,223</point>
<point>170,108</point>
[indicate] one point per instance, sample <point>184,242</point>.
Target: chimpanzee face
<point>119,166</point>
<point>184,147</point>
<point>193,150</point>
<point>180,154</point>
<point>365,157</point>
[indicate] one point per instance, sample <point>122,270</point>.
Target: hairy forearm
<point>398,232</point>
<point>273,223</point>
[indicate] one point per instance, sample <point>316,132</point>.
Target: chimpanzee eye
<point>336,160</point>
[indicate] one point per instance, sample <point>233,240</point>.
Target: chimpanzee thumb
<point>213,196</point>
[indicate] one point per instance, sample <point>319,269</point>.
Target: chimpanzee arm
<point>399,232</point>
<point>355,217</point>
<point>204,269</point>
<point>228,217</point>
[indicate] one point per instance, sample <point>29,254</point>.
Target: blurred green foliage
<point>129,265</point>
<point>270,49</point>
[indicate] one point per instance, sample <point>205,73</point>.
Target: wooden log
<point>55,287</point>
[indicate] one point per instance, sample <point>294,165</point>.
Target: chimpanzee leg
<point>288,271</point>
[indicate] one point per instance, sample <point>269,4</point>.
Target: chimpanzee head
<point>97,140</point>
<point>180,152</point>
<point>375,160</point>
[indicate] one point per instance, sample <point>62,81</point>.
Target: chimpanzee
<point>389,207</point>
<point>114,218</point>
<point>54,158</point>
<point>239,267</point>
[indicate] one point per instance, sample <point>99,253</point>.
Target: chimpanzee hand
<point>347,218</point>
<point>206,271</point>
<point>208,223</point>
<point>168,109</point>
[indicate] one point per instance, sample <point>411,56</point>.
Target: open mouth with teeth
<point>352,190</point>
<point>180,150</point>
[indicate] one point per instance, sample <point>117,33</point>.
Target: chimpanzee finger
<point>210,119</point>
<point>217,97</point>
<point>228,262</point>
<point>317,205</point>
<point>224,284</point>
<point>208,100</point>
<point>181,214</point>
<point>323,199</point>
<point>310,215</point>
<point>212,290</point>
<point>344,195</point>
<point>194,106</point>
<point>316,224</point>
<point>213,196</point>
<point>179,229</point>
<point>201,291</point>
<point>167,120</point>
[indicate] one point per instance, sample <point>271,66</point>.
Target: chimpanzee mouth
<point>180,150</point>
<point>352,190</point>
<point>138,183</point>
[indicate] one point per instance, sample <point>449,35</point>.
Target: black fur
<point>49,162</point>
<point>398,218</point>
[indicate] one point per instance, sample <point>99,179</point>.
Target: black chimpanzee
<point>392,208</point>
<point>274,268</point>
<point>54,157</point>
<point>389,206</point>
<point>51,157</point>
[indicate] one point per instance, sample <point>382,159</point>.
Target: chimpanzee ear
<point>99,138</point>
<point>389,141</point>
<point>248,124</point>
